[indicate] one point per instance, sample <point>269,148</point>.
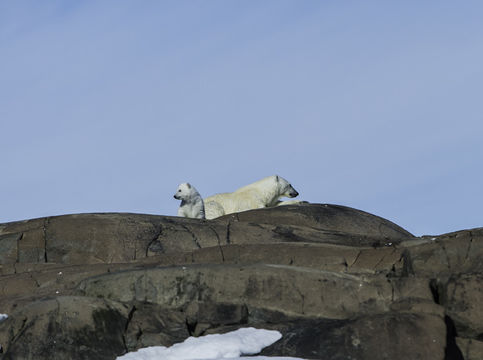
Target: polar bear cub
<point>260,194</point>
<point>192,205</point>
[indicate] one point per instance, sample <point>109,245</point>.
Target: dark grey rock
<point>65,328</point>
<point>324,217</point>
<point>339,283</point>
<point>382,336</point>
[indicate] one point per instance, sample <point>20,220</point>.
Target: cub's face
<point>286,188</point>
<point>183,192</point>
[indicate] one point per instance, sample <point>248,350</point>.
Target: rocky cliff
<point>337,282</point>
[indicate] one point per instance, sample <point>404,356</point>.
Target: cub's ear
<point>276,178</point>
<point>189,185</point>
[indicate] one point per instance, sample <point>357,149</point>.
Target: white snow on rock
<point>245,341</point>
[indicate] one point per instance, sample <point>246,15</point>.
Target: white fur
<point>291,202</point>
<point>192,205</point>
<point>260,194</point>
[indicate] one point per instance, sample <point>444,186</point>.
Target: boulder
<point>471,349</point>
<point>326,217</point>
<point>377,337</point>
<point>114,238</point>
<point>287,289</point>
<point>65,328</point>
<point>462,298</point>
<point>337,282</point>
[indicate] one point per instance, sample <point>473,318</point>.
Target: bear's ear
<point>189,185</point>
<point>277,178</point>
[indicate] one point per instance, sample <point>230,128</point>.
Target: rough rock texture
<point>58,327</point>
<point>338,283</point>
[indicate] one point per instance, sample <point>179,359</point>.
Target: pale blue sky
<point>109,105</point>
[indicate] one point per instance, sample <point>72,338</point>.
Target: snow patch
<point>245,341</point>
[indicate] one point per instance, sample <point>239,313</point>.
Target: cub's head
<point>185,191</point>
<point>285,189</point>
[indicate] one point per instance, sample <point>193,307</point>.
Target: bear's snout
<point>293,193</point>
<point>176,197</point>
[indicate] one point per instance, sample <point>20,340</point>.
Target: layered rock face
<point>338,283</point>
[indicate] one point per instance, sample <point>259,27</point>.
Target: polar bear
<point>192,205</point>
<point>262,193</point>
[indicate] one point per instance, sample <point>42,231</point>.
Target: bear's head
<point>284,187</point>
<point>185,191</point>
